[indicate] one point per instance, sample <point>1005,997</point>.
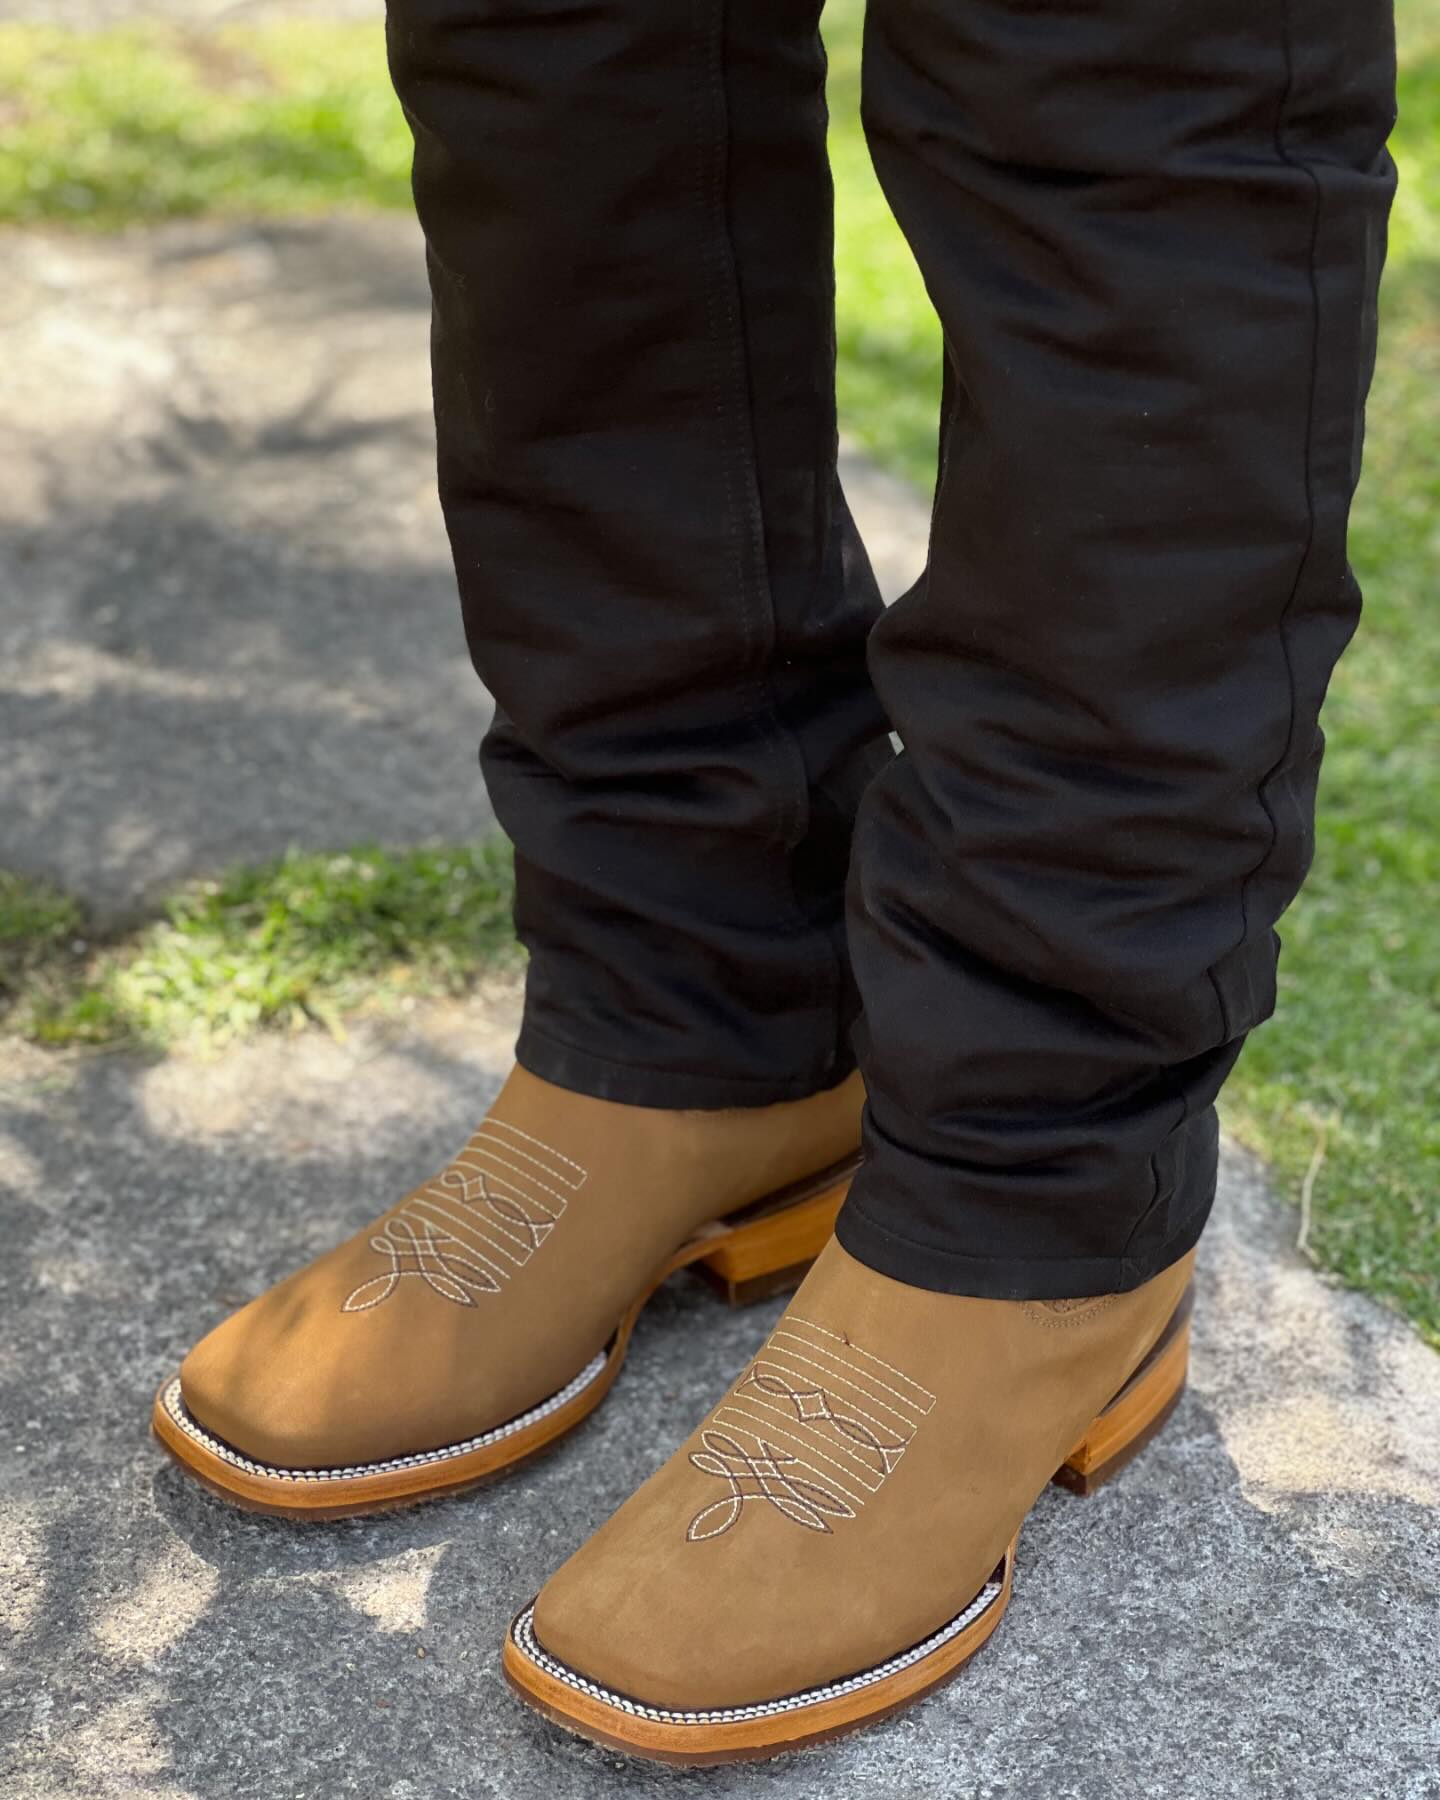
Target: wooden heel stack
<point>1136,1413</point>
<point>769,1253</point>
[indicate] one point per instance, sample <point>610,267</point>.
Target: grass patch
<point>40,930</point>
<point>887,338</point>
<point>154,122</point>
<point>308,939</point>
<point>1344,1082</point>
<point>1348,1068</point>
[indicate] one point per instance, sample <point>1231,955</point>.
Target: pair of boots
<point>835,1539</point>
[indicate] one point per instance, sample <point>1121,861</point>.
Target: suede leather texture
<point>954,1413</point>
<point>486,1289</point>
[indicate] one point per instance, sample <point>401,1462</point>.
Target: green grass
<point>152,122</point>
<point>308,939</point>
<point>1345,1084</point>
<point>39,932</point>
<point>888,376</point>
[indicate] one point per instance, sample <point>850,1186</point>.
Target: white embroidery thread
<point>467,1231</point>
<point>806,1413</point>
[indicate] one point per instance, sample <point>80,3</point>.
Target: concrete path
<point>228,621</point>
<point>1250,1611</point>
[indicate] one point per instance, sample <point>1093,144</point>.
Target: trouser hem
<point>944,1271</point>
<point>584,1073</point>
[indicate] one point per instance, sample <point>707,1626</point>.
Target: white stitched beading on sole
<point>175,1407</point>
<point>522,1634</point>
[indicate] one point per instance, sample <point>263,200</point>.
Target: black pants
<point>1153,232</point>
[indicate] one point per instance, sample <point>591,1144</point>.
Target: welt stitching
<point>174,1404</point>
<point>522,1634</point>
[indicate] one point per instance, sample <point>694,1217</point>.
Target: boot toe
<point>634,1616</point>
<point>613,1632</point>
<point>280,1383</point>
<point>244,1384</point>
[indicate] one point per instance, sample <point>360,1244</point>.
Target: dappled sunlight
<point>392,1591</point>
<point>1325,1406</point>
<point>169,1599</point>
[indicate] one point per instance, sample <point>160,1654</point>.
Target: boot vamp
<point>488,1288</point>
<point>852,1493</point>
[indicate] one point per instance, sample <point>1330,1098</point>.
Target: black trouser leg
<point>627,207</point>
<point>1153,232</point>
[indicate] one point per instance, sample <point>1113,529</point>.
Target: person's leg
<point>628,213</point>
<point>1153,232</point>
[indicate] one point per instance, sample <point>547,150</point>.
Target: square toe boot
<point>488,1311</point>
<point>838,1536</point>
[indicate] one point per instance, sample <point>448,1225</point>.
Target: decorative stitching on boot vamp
<point>469,1230</point>
<point>814,1427</point>
<point>1058,1314</point>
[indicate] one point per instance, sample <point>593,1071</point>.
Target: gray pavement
<point>1250,1611</point>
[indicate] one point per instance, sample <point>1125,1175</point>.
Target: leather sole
<point>571,1700</point>
<point>765,1249</point>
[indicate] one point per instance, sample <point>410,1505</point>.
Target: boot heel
<point>770,1253</point>
<point>1137,1412</point>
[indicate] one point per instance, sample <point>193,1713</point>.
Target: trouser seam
<point>735,407</point>
<point>1156,1196</point>
<point>1303,168</point>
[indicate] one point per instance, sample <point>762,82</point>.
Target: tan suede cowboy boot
<point>839,1535</point>
<point>488,1312</point>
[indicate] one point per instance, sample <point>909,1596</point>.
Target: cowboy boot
<point>838,1537</point>
<point>488,1312</point>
